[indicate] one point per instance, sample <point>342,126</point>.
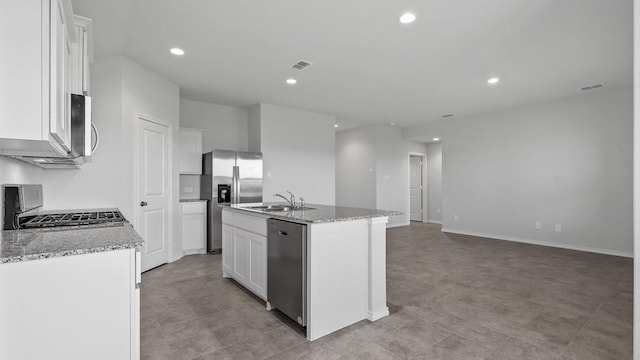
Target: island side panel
<point>337,276</point>
<point>377,268</point>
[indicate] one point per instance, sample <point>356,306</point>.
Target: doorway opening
<point>416,187</point>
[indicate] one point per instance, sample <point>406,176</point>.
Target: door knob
<point>143,203</point>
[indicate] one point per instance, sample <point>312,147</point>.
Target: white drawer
<point>254,224</point>
<point>199,207</point>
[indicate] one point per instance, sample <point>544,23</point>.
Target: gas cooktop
<point>74,218</point>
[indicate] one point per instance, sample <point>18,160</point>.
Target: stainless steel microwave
<point>81,139</point>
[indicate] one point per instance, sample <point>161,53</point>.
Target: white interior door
<point>153,192</point>
<point>415,188</point>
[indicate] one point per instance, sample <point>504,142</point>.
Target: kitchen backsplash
<point>189,186</point>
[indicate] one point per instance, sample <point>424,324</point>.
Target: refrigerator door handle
<point>235,197</point>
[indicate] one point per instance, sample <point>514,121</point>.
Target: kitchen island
<point>345,260</point>
<point>70,293</point>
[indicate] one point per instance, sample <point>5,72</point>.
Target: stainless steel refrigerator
<point>228,177</point>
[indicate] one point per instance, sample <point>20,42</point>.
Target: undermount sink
<point>275,208</point>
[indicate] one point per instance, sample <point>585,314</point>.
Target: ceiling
<point>367,67</point>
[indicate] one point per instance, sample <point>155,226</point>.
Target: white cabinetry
<point>34,99</point>
<point>244,250</point>
<point>190,151</point>
<point>81,56</point>
<point>194,227</point>
<point>73,307</point>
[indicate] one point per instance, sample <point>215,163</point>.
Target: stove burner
<point>72,219</point>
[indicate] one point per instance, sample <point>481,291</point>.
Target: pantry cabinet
<point>36,74</point>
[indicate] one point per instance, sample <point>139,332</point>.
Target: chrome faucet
<point>291,203</point>
<point>301,202</point>
<point>293,199</point>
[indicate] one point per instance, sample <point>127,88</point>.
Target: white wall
<point>151,95</point>
<point>434,182</point>
<point>120,90</point>
<point>372,169</point>
<point>298,149</point>
<point>225,127</point>
<point>564,162</point>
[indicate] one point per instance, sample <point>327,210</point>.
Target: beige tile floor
<point>450,296</point>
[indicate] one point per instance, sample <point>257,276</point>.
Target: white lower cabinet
<point>73,307</point>
<point>244,251</point>
<point>193,227</point>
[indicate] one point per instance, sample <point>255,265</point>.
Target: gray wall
<point>565,162</point>
<point>225,127</point>
<point>356,167</point>
<point>434,182</point>
<point>298,148</point>
<point>372,169</point>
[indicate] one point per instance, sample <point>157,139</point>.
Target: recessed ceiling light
<point>292,81</point>
<point>336,125</point>
<point>436,139</point>
<point>493,81</point>
<point>177,51</point>
<point>39,160</point>
<point>392,123</point>
<point>407,18</point>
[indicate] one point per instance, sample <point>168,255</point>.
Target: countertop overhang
<point>24,245</point>
<point>319,213</point>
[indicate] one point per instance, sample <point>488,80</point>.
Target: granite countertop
<point>24,245</point>
<point>320,213</point>
<point>192,200</point>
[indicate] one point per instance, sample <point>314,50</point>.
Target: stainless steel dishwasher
<point>287,269</point>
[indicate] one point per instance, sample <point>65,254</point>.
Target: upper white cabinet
<point>81,56</point>
<point>36,76</point>
<point>191,151</point>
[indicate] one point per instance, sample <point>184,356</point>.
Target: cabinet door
<point>190,151</point>
<point>193,232</point>
<point>227,250</point>
<point>258,265</point>
<point>241,250</point>
<point>74,304</point>
<point>59,119</point>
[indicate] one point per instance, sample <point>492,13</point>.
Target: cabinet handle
<point>143,203</point>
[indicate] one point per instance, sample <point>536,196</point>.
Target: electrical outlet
<point>456,217</point>
<point>188,189</point>
<point>558,227</point>
<point>438,210</point>
<point>538,225</point>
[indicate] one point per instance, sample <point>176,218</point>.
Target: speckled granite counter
<point>320,213</point>
<point>24,245</point>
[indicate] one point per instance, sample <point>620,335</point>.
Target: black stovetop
<point>74,218</point>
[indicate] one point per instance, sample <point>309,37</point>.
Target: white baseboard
<point>389,225</point>
<point>434,221</point>
<point>378,315</point>
<point>543,243</point>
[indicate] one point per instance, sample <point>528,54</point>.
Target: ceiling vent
<point>591,87</point>
<point>301,65</point>
<point>447,115</point>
